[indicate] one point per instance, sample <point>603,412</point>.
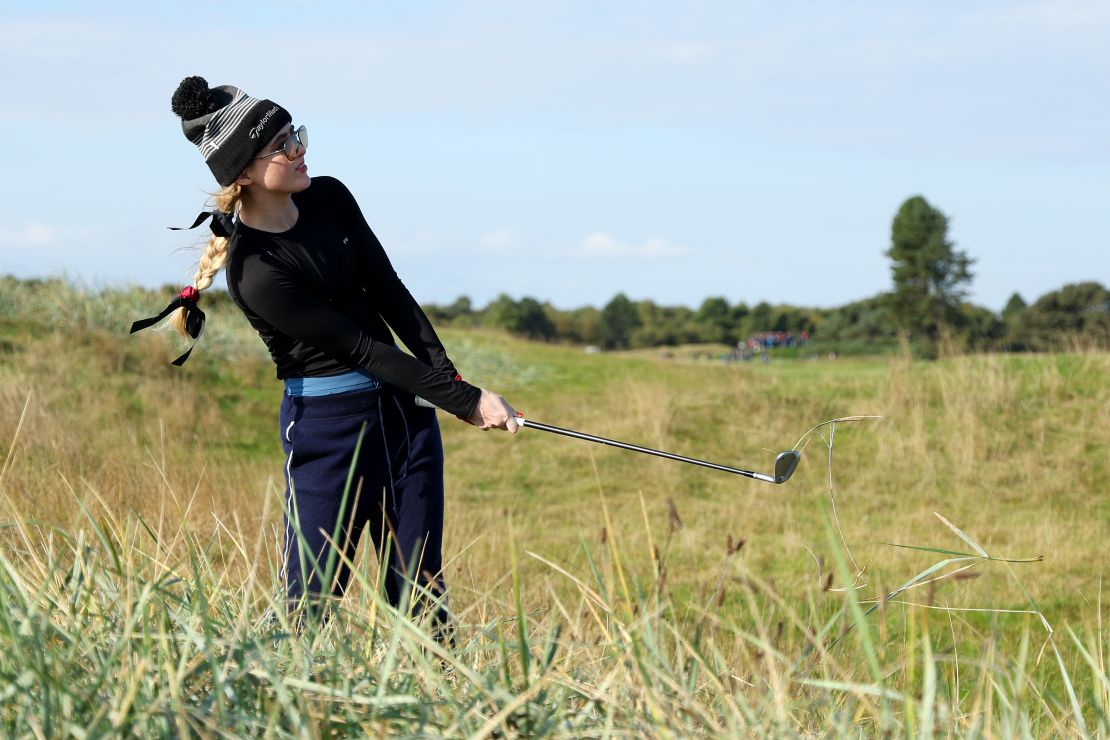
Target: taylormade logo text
<point>262,122</point>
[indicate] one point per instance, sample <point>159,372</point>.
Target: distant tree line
<point>623,323</point>
<point>925,306</point>
<point>1076,314</point>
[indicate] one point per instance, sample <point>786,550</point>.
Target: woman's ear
<point>243,179</point>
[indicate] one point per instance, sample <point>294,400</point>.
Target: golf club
<point>785,463</point>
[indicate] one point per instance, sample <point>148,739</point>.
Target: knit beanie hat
<point>228,126</point>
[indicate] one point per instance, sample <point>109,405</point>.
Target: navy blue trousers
<point>395,492</point>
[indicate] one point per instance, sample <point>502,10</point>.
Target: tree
<point>1013,319</point>
<point>739,320</point>
<point>1014,308</point>
<point>981,326</point>
<point>714,319</point>
<point>617,321</point>
<point>761,318</point>
<point>533,321</point>
<point>861,326</point>
<point>1076,312</point>
<point>525,317</point>
<point>578,325</point>
<point>460,312</point>
<point>500,312</point>
<point>929,273</point>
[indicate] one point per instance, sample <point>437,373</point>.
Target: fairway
<point>1012,449</point>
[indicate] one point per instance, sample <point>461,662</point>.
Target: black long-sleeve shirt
<point>321,293</point>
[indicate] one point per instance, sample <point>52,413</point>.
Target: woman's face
<point>273,171</point>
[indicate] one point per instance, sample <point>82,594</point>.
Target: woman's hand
<point>494,412</point>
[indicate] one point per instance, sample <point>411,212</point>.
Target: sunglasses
<point>299,139</point>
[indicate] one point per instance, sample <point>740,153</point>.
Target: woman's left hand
<point>494,412</point>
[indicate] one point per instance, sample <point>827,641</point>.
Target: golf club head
<point>785,464</point>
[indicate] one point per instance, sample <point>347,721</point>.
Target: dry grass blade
<point>837,420</point>
<point>15,438</point>
<point>962,535</point>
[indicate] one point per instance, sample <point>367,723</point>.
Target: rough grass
<point>597,591</point>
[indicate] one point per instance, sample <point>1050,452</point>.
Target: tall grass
<point>124,625</point>
<point>596,592</point>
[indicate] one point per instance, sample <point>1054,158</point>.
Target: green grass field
<point>598,592</point>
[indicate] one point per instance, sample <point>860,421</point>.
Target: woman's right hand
<point>494,412</point>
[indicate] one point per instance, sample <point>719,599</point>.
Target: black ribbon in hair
<point>221,225</point>
<point>194,319</point>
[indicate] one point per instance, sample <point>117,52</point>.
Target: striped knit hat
<point>228,126</point>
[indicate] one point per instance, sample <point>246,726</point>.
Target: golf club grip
<point>636,448</point>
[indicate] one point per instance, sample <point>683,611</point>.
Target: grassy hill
<point>557,547</point>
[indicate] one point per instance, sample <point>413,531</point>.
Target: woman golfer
<point>314,281</point>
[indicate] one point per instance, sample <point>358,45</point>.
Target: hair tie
<point>194,318</point>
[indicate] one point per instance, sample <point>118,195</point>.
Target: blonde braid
<point>215,251</point>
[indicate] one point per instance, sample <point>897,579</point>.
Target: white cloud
<point>499,240</point>
<point>602,244</point>
<point>32,234</point>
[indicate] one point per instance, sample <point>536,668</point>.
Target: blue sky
<point>572,150</point>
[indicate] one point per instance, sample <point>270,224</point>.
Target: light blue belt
<point>356,380</point>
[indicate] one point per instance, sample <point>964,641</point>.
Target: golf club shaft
<point>636,448</point>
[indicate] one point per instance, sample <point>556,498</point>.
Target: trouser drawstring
<point>408,437</point>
